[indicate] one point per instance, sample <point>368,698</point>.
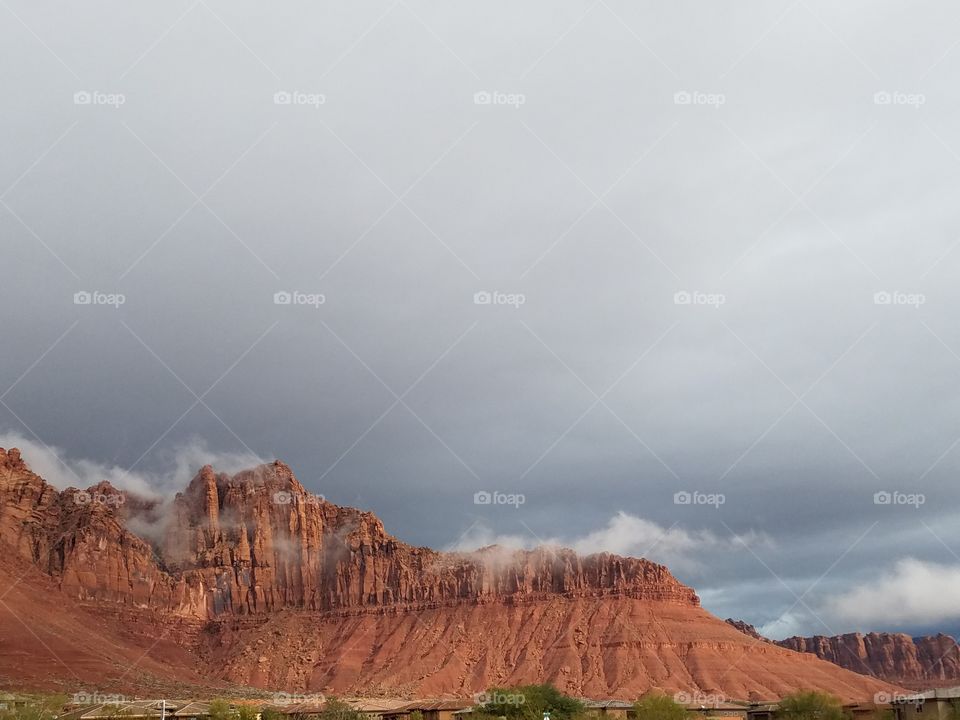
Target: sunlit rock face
<point>933,660</point>
<point>270,586</point>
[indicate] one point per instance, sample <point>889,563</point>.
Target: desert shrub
<point>246,712</point>
<point>269,713</point>
<point>33,707</point>
<point>221,710</point>
<point>530,702</point>
<point>657,706</point>
<point>810,705</point>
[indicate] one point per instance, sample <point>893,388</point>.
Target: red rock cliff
<point>267,585</point>
<point>930,660</point>
<point>257,541</point>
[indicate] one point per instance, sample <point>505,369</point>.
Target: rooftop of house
<point>453,704</point>
<point>154,709</point>
<point>948,693</point>
<point>375,706</point>
<point>312,707</point>
<point>608,704</point>
<point>126,709</point>
<point>718,705</point>
<point>197,707</point>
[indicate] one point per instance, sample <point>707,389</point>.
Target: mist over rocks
<point>267,585</point>
<point>257,541</point>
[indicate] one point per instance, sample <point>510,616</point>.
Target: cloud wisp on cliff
<point>179,465</point>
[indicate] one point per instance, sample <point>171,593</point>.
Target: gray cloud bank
<point>594,254</point>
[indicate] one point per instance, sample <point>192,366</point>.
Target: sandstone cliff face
<point>931,660</point>
<point>257,541</point>
<point>746,628</point>
<point>79,538</point>
<point>262,583</point>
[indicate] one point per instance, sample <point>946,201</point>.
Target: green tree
<point>269,713</point>
<point>658,706</point>
<point>39,707</point>
<point>246,712</point>
<point>221,710</point>
<point>119,713</point>
<point>530,702</point>
<point>334,709</point>
<point>810,705</point>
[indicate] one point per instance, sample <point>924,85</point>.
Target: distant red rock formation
<point>929,661</point>
<point>271,586</point>
<point>257,542</point>
<point>746,628</point>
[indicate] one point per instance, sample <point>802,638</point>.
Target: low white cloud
<point>908,593</point>
<point>177,467</point>
<point>911,592</point>
<point>624,534</point>
<point>788,625</point>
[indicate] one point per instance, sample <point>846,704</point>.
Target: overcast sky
<point>593,254</point>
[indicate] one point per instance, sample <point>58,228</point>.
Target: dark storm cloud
<point>591,253</point>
